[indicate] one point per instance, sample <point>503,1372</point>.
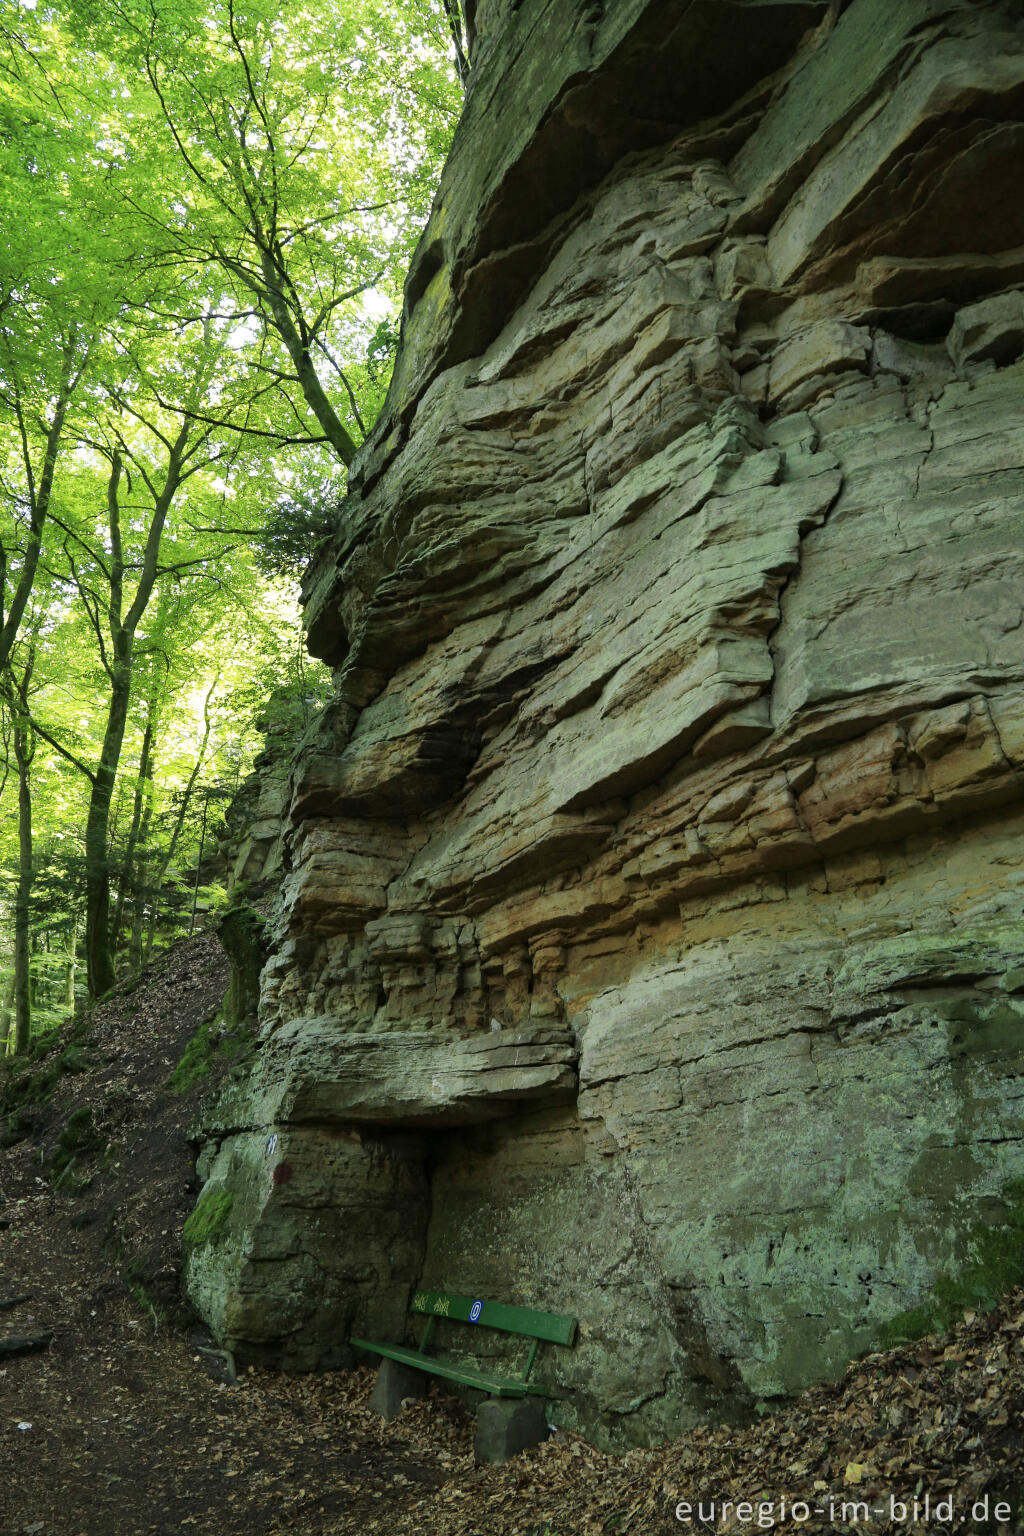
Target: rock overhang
<point>680,722</point>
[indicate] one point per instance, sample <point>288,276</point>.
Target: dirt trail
<point>126,1426</point>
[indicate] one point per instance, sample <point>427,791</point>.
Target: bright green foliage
<point>287,150</point>
<point>206,209</point>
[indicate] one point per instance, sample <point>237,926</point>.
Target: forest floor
<point>127,1425</point>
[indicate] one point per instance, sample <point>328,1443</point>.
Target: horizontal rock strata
<point>677,611</point>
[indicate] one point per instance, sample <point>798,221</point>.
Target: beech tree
<point>206,209</point>
<point>293,149</point>
<point>50,316</point>
<point>153,457</point>
<point>17,684</point>
<point>462,23</point>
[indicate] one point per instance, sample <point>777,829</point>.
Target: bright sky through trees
<point>206,212</point>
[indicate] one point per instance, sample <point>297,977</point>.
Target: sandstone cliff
<point>677,612</point>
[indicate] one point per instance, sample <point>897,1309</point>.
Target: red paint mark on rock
<point>283,1173</point>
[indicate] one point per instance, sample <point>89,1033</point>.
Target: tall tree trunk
<point>23,895</point>
<point>70,958</point>
<point>179,823</point>
<point>453,10</point>
<point>168,858</point>
<point>140,819</point>
<point>39,495</point>
<point>298,346</point>
<point>7,1019</point>
<point>151,927</point>
<point>144,892</point>
<point>99,958</point>
<point>144,889</point>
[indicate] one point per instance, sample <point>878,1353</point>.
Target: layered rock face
<point>651,945</point>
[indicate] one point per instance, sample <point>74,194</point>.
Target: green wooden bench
<point>540,1327</point>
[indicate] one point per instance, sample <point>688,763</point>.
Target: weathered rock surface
<point>678,617</point>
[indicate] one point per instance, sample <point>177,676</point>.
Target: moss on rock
<point>211,1042</point>
<point>996,1266</point>
<point>208,1222</point>
<point>242,933</point>
<point>32,1077</point>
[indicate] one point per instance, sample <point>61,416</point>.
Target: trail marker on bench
<point>502,1430</point>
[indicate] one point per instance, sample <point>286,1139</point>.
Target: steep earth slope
<point>650,944</point>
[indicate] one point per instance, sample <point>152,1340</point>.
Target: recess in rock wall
<point>650,942</point>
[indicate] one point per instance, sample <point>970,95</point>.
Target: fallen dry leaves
<point>133,1433</point>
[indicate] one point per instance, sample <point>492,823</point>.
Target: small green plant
<point>210,1042</point>
<point>208,1222</point>
<point>41,1045</point>
<point>81,1138</point>
<point>29,1083</point>
<point>145,1300</point>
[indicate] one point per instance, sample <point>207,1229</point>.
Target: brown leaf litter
<point>127,1426</point>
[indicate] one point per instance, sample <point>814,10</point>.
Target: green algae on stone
<point>208,1222</point>
<point>210,1042</point>
<point>242,934</point>
<point>996,1266</point>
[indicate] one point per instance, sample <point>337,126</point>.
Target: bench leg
<point>395,1382</point>
<point>505,1426</point>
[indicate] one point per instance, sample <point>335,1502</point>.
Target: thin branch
<point>184,565</point>
<point>453,11</point>
<point>64,752</point>
<point>343,376</point>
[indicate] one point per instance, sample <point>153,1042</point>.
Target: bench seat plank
<point>552,1327</point>
<point>497,1386</point>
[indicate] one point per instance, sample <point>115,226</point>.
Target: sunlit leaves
<point>283,157</point>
